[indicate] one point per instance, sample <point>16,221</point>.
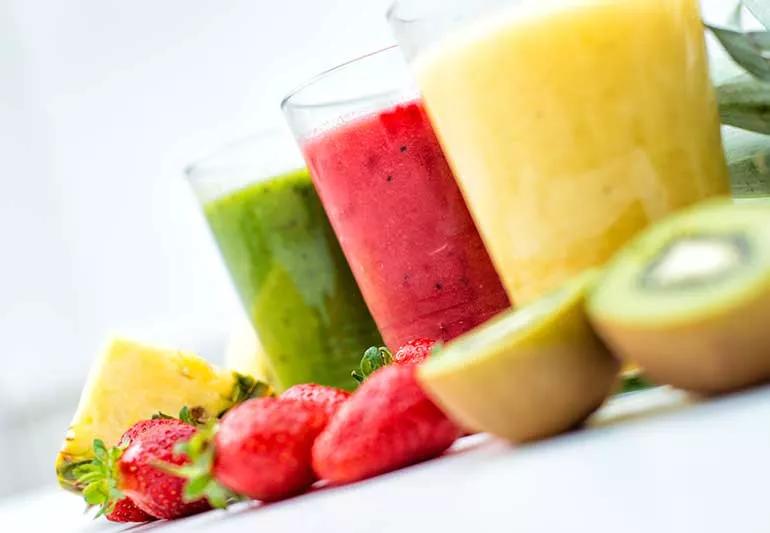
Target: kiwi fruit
<point>527,374</point>
<point>689,298</point>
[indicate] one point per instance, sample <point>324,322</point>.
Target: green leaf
<point>184,416</point>
<point>635,383</point>
<point>98,477</point>
<point>246,387</point>
<point>751,50</point>
<point>94,494</point>
<point>374,358</point>
<point>760,9</point>
<point>744,102</point>
<point>748,157</point>
<point>198,472</point>
<point>196,486</point>
<point>218,496</point>
<point>100,450</point>
<point>736,17</point>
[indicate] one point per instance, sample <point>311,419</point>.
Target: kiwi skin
<point>707,343</point>
<point>716,354</point>
<point>548,382</point>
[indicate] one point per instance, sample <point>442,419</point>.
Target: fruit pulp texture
<point>573,124</point>
<point>293,280</point>
<point>403,225</point>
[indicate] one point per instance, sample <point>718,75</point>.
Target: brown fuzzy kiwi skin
<point>550,383</point>
<point>712,354</point>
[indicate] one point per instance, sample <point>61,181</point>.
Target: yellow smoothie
<point>573,124</point>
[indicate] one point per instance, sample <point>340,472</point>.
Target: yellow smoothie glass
<point>570,124</point>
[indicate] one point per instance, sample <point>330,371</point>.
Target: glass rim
<point>289,101</point>
<point>198,166</point>
<point>394,14</point>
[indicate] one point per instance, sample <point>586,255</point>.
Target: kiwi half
<point>689,299</point>
<point>527,374</point>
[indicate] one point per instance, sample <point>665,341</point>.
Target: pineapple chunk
<point>131,382</point>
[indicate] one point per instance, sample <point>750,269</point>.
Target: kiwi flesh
<point>528,374</point>
<point>689,299</point>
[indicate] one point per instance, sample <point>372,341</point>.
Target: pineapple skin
<point>131,381</point>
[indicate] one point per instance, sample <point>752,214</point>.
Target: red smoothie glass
<point>393,201</point>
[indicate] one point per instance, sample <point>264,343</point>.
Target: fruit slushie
<point>571,125</point>
<point>293,280</point>
<point>403,225</point>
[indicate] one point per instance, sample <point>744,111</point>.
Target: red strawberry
<point>414,352</point>
<point>140,427</point>
<point>387,424</point>
<point>328,398</point>
<point>125,510</point>
<point>263,447</point>
<point>153,490</point>
<point>98,478</point>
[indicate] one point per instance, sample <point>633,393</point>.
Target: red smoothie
<point>403,226</point>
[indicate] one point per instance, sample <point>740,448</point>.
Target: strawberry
<point>98,479</point>
<point>388,423</point>
<point>411,353</point>
<point>263,447</point>
<point>158,491</point>
<point>414,352</point>
<point>328,398</point>
<point>126,480</point>
<point>125,510</point>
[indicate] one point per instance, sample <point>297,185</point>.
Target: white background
<point>102,104</point>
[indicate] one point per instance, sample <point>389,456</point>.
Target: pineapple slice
<point>131,382</point>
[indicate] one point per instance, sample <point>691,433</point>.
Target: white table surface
<point>652,461</point>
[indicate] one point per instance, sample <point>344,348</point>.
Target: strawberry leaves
<point>99,477</point>
<point>374,358</point>
<point>200,481</point>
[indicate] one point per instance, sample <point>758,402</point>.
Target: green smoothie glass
<point>285,261</point>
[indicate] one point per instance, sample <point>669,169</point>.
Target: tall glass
<point>570,124</point>
<point>285,261</point>
<point>393,201</point>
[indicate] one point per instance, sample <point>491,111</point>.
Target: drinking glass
<point>393,202</point>
<point>570,124</point>
<point>284,260</point>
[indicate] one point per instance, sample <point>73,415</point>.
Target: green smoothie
<point>293,280</point>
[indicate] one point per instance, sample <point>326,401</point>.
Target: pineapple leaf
<point>751,50</point>
<point>744,102</point>
<point>760,9</point>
